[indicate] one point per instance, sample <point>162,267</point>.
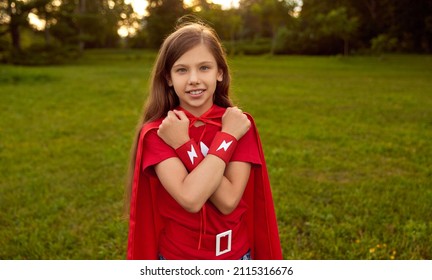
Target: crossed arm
<point>212,178</point>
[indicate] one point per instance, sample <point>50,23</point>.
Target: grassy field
<point>347,141</point>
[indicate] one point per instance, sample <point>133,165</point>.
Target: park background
<point>340,90</point>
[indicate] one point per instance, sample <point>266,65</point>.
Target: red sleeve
<point>247,149</point>
<point>155,150</point>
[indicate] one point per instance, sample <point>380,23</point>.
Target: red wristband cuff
<point>223,146</point>
<point>190,154</point>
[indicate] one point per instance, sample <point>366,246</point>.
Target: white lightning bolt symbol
<point>224,145</point>
<point>204,148</point>
<point>192,154</point>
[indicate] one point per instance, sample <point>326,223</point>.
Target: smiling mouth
<point>195,92</point>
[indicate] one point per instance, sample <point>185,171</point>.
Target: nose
<point>193,78</point>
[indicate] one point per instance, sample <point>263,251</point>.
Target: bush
<point>249,47</point>
<point>383,43</point>
<point>138,41</point>
<point>4,44</point>
<point>43,55</point>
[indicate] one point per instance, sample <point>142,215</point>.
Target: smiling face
<point>194,77</point>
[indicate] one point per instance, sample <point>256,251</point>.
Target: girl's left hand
<point>174,129</point>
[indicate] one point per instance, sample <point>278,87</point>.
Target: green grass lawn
<point>347,141</point>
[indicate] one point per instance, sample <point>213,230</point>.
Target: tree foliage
<point>76,24</point>
<point>256,26</point>
<point>161,20</point>
<point>338,24</point>
<point>14,17</point>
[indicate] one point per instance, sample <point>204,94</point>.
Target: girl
<point>199,187</point>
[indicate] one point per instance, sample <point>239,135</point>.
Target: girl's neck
<point>197,112</point>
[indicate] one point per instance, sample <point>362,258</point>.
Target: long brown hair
<point>162,97</point>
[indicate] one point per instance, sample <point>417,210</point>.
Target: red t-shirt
<point>155,150</point>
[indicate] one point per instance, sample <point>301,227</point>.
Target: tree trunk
<point>16,36</point>
<point>81,10</point>
<point>372,8</point>
<point>14,26</point>
<point>346,47</point>
<point>47,36</point>
<point>47,33</point>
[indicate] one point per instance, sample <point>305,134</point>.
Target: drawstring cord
<point>206,120</point>
<point>203,225</point>
<point>203,119</point>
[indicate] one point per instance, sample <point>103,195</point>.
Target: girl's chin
<point>196,108</point>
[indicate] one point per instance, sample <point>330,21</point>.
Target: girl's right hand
<point>234,122</point>
<point>174,129</point>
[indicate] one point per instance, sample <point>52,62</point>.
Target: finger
<point>235,109</point>
<point>228,110</point>
<point>180,114</point>
<point>171,114</point>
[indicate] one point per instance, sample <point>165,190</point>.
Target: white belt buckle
<point>218,238</point>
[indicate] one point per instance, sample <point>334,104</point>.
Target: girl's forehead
<point>197,54</point>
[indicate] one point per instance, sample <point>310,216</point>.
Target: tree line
<point>255,27</point>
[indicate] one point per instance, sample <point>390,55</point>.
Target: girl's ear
<point>169,81</point>
<point>220,75</point>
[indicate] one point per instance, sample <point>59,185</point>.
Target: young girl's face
<point>194,77</point>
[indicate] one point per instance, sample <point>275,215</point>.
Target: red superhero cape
<point>146,223</point>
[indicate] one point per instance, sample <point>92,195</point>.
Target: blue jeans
<point>246,256</point>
